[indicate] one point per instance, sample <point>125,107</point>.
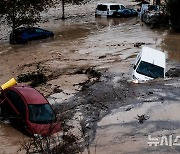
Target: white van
<point>107,9</point>
<point>149,64</point>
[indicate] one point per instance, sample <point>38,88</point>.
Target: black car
<point>125,13</point>
<point>25,34</point>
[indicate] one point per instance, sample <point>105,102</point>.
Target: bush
<point>173,10</point>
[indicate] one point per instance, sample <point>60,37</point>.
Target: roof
<point>143,2</point>
<point>153,56</point>
<point>31,95</point>
<point>109,4</point>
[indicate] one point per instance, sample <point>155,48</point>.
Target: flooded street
<point>109,46</point>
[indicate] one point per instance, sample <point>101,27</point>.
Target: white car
<point>107,9</point>
<point>149,64</point>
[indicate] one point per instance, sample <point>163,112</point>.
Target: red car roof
<point>31,95</point>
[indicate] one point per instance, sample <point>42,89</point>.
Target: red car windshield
<point>41,113</point>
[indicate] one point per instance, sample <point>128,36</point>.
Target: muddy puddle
<point>122,132</point>
<point>108,45</point>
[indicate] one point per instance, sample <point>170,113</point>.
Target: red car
<point>28,110</point>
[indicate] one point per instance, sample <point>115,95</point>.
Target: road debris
<point>142,118</point>
<point>35,78</point>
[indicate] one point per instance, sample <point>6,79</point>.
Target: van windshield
<point>150,70</point>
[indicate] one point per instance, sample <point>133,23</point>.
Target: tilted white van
<point>149,64</point>
<point>107,9</point>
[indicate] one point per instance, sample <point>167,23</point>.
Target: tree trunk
<point>13,17</point>
<point>63,17</point>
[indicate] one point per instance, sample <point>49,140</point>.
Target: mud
<point>35,78</point>
<point>173,72</point>
<point>87,67</point>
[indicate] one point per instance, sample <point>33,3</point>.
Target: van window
<point>122,7</point>
<point>150,70</point>
<point>114,7</point>
<point>102,7</point>
<point>152,7</point>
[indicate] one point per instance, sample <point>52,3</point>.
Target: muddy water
<point>79,43</point>
<point>171,43</point>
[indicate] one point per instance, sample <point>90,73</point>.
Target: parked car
<point>125,13</point>
<point>28,110</point>
<point>107,9</point>
<point>149,64</point>
<point>25,34</point>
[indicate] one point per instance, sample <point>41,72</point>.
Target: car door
<point>31,34</point>
<point>17,107</point>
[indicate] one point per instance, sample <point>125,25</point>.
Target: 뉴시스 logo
<point>167,140</point>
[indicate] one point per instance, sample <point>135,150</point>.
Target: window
<point>137,63</point>
<point>114,7</point>
<point>126,11</point>
<point>41,113</point>
<point>102,7</point>
<point>39,30</point>
<point>133,11</point>
<point>150,70</point>
<point>17,102</point>
<point>122,7</point>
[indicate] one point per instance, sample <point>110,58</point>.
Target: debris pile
<point>173,72</point>
<point>142,118</point>
<point>35,78</point>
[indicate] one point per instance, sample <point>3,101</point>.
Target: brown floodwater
<point>83,38</point>
<point>171,43</point>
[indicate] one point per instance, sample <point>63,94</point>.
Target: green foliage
<point>27,12</point>
<point>173,10</point>
<point>23,12</point>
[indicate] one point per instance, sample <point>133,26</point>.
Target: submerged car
<point>24,34</point>
<point>149,64</point>
<point>28,110</point>
<point>107,9</point>
<point>126,12</point>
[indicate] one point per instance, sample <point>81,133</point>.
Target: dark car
<point>23,34</point>
<point>125,13</point>
<point>28,110</point>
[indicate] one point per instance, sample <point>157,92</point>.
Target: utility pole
<point>63,17</point>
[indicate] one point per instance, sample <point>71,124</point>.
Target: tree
<point>23,12</point>
<point>173,10</point>
<point>27,12</point>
